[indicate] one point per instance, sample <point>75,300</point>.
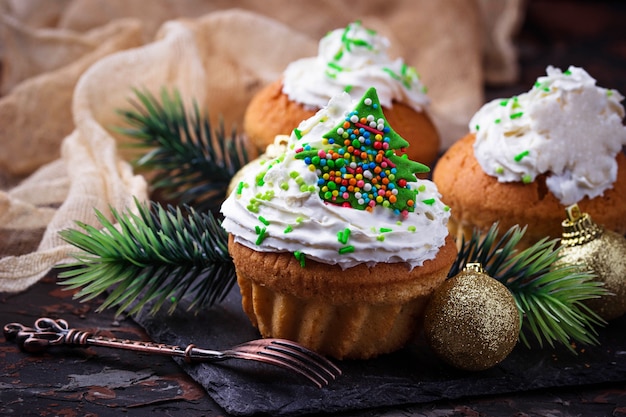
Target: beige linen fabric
<point>68,65</point>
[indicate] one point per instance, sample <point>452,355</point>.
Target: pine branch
<point>154,256</point>
<point>550,298</point>
<point>192,163</point>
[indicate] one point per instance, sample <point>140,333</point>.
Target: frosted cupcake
<point>528,157</point>
<point>350,60</point>
<point>336,243</point>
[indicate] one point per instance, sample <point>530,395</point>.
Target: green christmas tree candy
<point>359,167</point>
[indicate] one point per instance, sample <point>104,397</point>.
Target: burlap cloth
<point>68,65</point>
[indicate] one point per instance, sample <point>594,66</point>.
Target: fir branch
<point>550,298</point>
<point>192,163</point>
<point>154,256</point>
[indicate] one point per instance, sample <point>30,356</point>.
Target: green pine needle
<point>550,298</point>
<point>154,256</point>
<point>192,164</point>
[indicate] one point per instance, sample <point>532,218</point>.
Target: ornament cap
<point>578,228</point>
<point>474,267</point>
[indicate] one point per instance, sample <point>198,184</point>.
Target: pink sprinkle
<point>321,153</point>
<point>299,150</point>
<point>360,183</point>
<point>381,192</point>
<point>385,145</point>
<point>372,203</point>
<point>345,195</point>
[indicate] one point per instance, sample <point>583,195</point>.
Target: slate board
<point>412,375</point>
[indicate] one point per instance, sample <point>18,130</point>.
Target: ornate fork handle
<point>48,332</point>
<point>279,352</point>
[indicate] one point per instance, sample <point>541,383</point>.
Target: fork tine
<point>306,355</point>
<point>292,356</point>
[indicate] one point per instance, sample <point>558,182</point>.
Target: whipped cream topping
<point>277,207</point>
<point>352,60</point>
<point>565,127</point>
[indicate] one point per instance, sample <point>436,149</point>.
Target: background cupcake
<point>352,60</point>
<point>528,157</point>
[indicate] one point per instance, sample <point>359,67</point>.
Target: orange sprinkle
<point>392,199</point>
<point>410,203</point>
<point>363,155</point>
<point>346,124</point>
<point>385,180</point>
<point>377,170</point>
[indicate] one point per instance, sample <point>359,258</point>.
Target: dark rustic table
<point>106,382</point>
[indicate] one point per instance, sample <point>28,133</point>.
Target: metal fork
<point>286,354</point>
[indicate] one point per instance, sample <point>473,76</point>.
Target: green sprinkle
<point>497,121</point>
<point>380,238</point>
<point>298,133</point>
<point>262,235</point>
<point>288,229</point>
<point>264,220</point>
<point>499,170</point>
<point>446,208</point>
<point>546,89</point>
<point>385,230</point>
<point>260,179</point>
<point>346,249</point>
<point>412,228</point>
<point>567,72</point>
<point>503,103</point>
<point>521,155</point>
<point>348,88</point>
<point>343,235</point>
<point>240,187</point>
<point>429,201</point>
<point>421,188</point>
<point>284,186</point>
<point>609,93</point>
<point>527,179</point>
<point>300,257</point>
<point>477,127</point>
<point>335,66</point>
<point>299,219</point>
<point>304,188</point>
<point>517,115</point>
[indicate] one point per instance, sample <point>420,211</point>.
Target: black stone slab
<point>410,376</point>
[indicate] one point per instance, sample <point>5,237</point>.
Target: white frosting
<point>564,127</point>
<point>286,201</point>
<point>352,60</point>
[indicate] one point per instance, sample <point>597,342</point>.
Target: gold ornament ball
<point>604,256</point>
<point>472,321</point>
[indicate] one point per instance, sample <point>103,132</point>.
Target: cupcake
<point>349,60</point>
<point>529,157</point>
<point>336,243</point>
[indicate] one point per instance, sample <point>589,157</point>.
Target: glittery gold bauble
<point>472,321</point>
<point>601,252</point>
